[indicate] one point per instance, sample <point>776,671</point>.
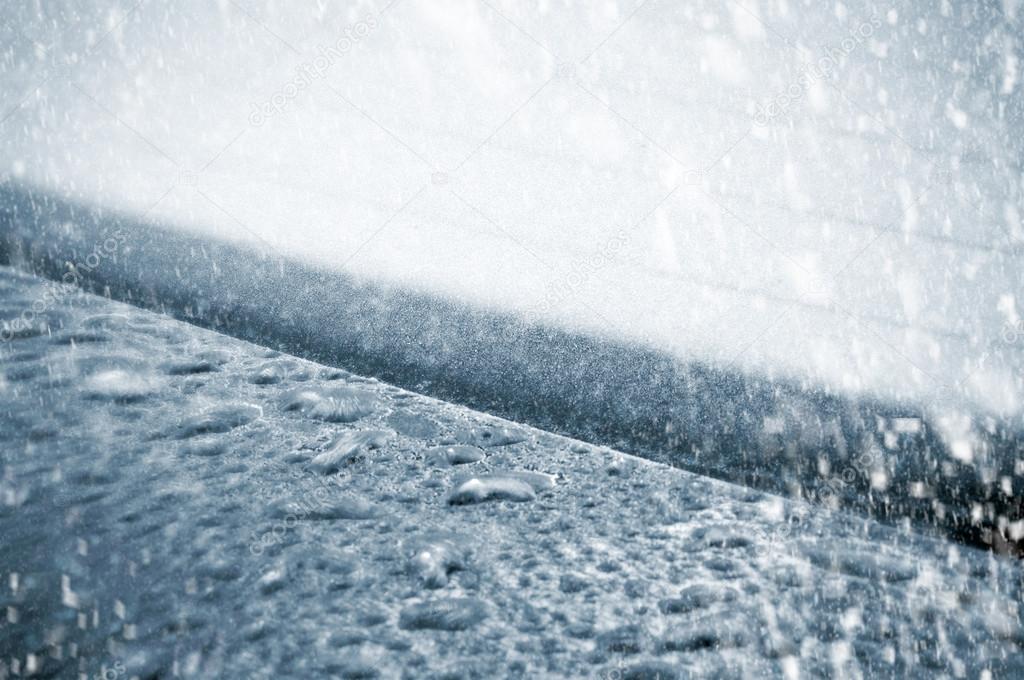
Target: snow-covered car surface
<point>180,503</point>
<point>779,243</point>
<point>943,467</point>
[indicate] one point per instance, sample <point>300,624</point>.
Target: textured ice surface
<point>454,455</point>
<point>226,555</point>
<point>333,404</point>
<point>348,447</point>
<point>491,488</point>
<point>811,208</point>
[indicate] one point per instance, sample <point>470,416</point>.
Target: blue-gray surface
<point>777,242</point>
<point>796,438</point>
<point>180,503</point>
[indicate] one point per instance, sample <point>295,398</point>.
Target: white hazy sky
<point>828,192</point>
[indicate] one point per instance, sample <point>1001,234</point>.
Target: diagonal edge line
<point>614,31</point>
<point>789,43</point>
<point>503,124</point>
<point>755,231</point>
<point>746,348</point>
<point>631,124</point>
<point>27,38</point>
<point>535,256</point>
<point>590,308</point>
<point>885,231</point>
<point>856,105</point>
<point>158,201</point>
<point>730,149</point>
<point>636,225</point>
<point>388,221</point>
<point>888,229</point>
<point>519,28</point>
<point>888,344</point>
<point>17,107</point>
<point>500,228</point>
<point>522,245</point>
<point>264,27</point>
<point>768,27</point>
<point>221,152</point>
<point>126,125</point>
<point>237,221</point>
<point>116,26</point>
<point>388,7</point>
<point>388,132</point>
<point>870,115</point>
<point>960,385</point>
<point>654,142</point>
<point>650,212</point>
<point>39,45</point>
